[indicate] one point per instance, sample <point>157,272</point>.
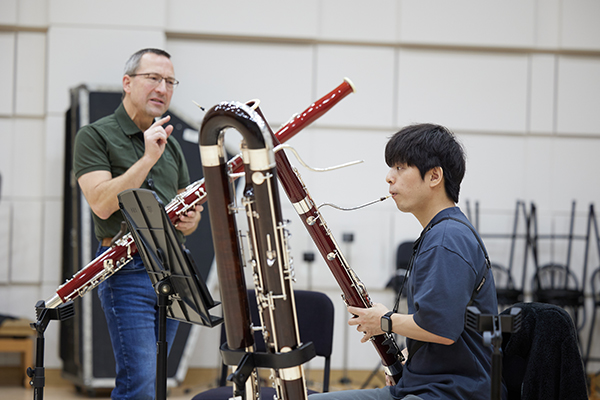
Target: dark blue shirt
<point>439,287</point>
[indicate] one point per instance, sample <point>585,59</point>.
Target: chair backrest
<point>542,359</point>
<point>315,313</point>
<point>403,255</point>
<point>554,276</point>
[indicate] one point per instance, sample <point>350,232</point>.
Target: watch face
<point>386,324</point>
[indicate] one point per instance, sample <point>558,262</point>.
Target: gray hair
<point>133,63</point>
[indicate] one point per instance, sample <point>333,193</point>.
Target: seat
<point>315,314</point>
<point>595,283</point>
<point>403,255</point>
<point>556,283</point>
<point>506,289</point>
<point>542,359</point>
<point>595,289</point>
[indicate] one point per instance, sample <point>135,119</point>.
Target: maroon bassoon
<point>354,291</point>
<point>122,250</point>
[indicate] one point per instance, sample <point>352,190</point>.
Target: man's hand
<point>368,320</point>
<point>155,139</point>
<point>188,222</point>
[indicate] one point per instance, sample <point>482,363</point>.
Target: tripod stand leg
<point>371,376</point>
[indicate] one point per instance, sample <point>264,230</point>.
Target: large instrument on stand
<point>269,254</point>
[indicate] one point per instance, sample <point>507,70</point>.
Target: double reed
<point>121,252</point>
<point>268,245</point>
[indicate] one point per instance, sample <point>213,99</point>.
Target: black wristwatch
<point>386,322</point>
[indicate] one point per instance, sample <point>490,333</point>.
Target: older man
<point>132,148</point>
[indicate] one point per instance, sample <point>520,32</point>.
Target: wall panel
<point>262,18</point>
<point>353,21</point>
<point>468,23</point>
<point>30,90</point>
<point>470,91</point>
<point>7,68</point>
<point>28,158</point>
<point>26,249</point>
<point>278,75</point>
<point>579,25</point>
<point>90,56</point>
<point>371,69</point>
<point>578,94</point>
<point>111,14</point>
<point>542,97</point>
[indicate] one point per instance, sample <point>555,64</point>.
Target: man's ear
<point>436,176</point>
<point>126,83</point>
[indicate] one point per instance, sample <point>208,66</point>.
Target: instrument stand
<point>246,362</point>
<point>182,295</point>
<point>44,316</point>
<point>492,327</point>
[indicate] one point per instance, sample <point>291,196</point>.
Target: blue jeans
<point>131,309</point>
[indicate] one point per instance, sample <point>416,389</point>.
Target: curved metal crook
<point>357,207</point>
<point>285,146</point>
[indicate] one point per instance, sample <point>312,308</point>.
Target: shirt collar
<point>125,122</point>
<point>447,212</point>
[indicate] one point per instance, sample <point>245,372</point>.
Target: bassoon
<point>354,292</point>
<point>267,238</point>
<point>123,249</point>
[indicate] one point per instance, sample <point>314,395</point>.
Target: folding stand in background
<point>182,295</point>
<point>44,316</point>
<point>492,327</point>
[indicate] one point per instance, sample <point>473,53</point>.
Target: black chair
<point>595,283</point>
<point>542,359</point>
<point>315,313</point>
<point>595,289</point>
<point>555,283</point>
<point>403,255</point>
<point>506,289</point>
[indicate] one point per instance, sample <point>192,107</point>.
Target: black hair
<point>427,146</point>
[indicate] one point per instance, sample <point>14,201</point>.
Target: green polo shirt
<point>113,144</point>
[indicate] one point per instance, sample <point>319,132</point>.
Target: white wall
<point>518,81</point>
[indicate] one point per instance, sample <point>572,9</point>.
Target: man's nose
<point>162,86</point>
<point>388,177</point>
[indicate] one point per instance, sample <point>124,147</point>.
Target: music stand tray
<point>182,295</point>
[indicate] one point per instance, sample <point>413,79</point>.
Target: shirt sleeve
<point>443,285</point>
<point>89,152</point>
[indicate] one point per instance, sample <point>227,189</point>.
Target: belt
<point>106,242</point>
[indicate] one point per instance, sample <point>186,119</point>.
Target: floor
<point>196,381</point>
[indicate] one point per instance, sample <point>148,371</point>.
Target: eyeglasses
<point>156,79</point>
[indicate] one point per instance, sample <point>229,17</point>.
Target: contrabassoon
<point>267,244</point>
<point>123,249</point>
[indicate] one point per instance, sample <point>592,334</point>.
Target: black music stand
<point>182,295</point>
<point>44,316</point>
